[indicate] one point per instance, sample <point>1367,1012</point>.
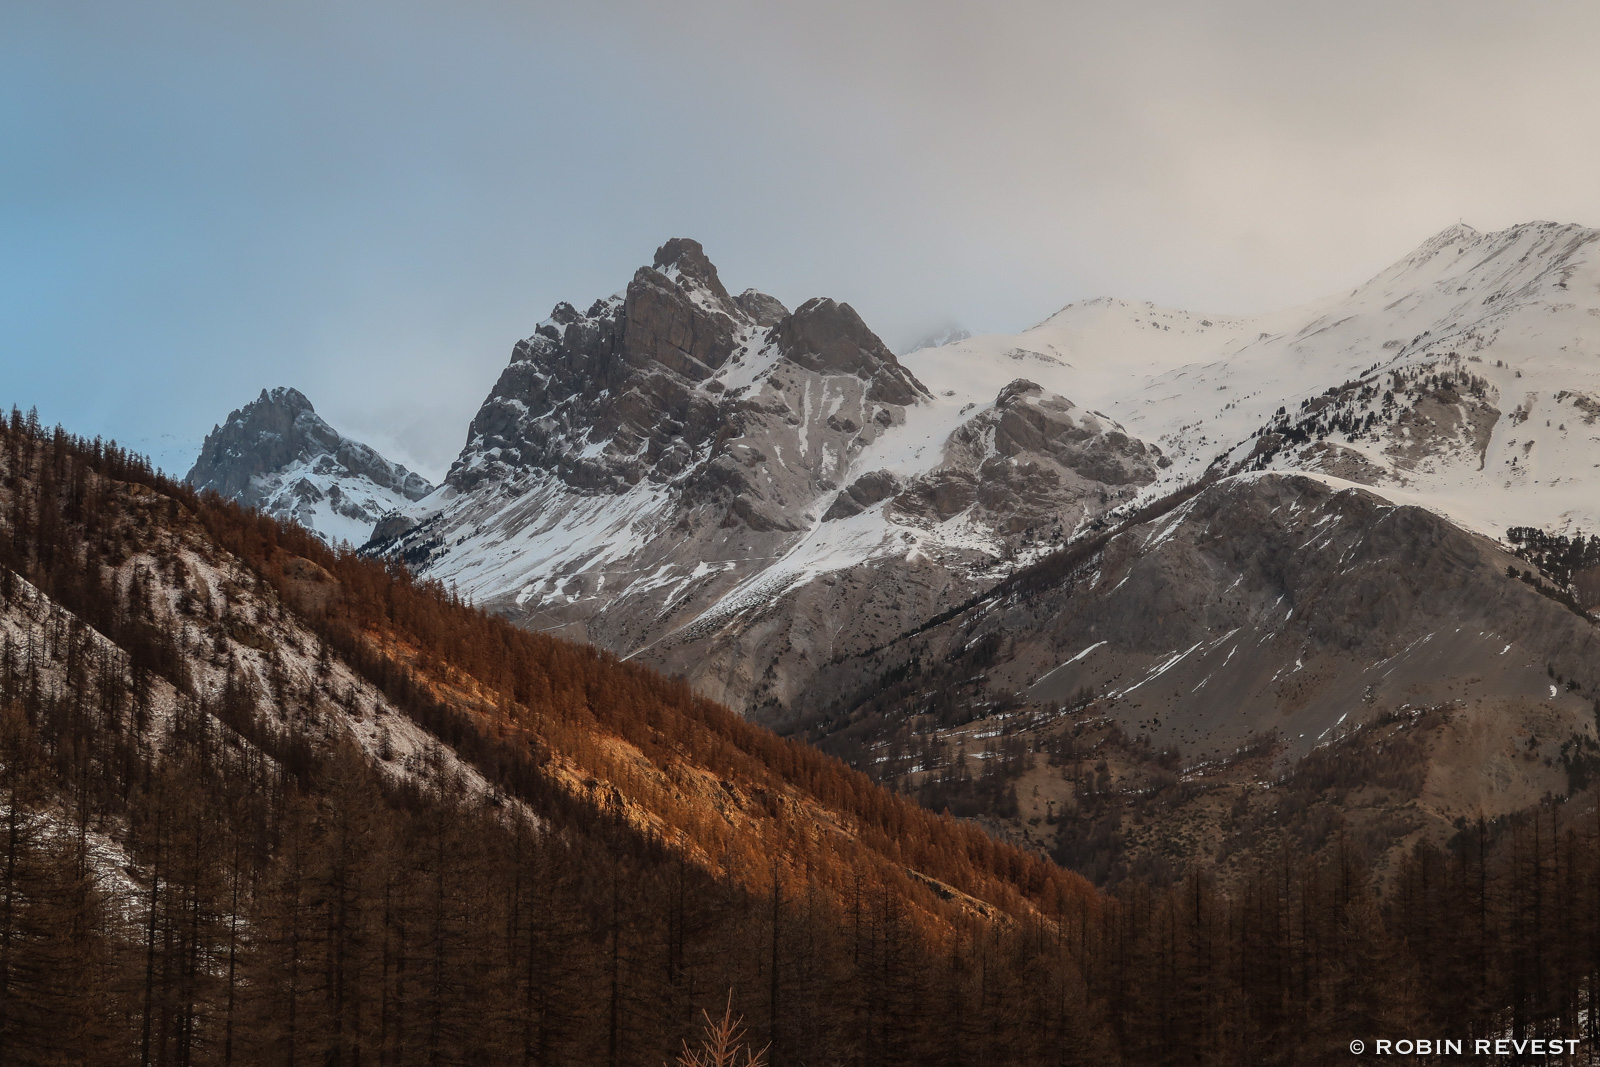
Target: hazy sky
<point>373,201</point>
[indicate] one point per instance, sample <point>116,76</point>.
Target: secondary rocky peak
<point>828,337</point>
<point>265,434</point>
<point>762,309</point>
<point>276,453</point>
<point>1019,388</point>
<point>685,257</point>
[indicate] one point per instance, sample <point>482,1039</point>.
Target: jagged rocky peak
<point>829,337</point>
<point>644,383</point>
<point>277,454</point>
<point>684,258</point>
<point>261,436</point>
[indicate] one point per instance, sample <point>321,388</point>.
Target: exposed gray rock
<point>280,428</point>
<point>871,488</point>
<point>1033,461</point>
<point>762,309</point>
<point>830,338</point>
<point>1261,605</point>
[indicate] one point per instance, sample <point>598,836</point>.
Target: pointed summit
<point>685,257</point>
<point>277,454</point>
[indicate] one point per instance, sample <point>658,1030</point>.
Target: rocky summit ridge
<point>277,454</point>
<point>736,491</point>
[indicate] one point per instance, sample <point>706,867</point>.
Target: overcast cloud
<point>373,201</point>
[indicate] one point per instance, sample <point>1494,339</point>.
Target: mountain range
<point>266,801</point>
<point>1210,530</point>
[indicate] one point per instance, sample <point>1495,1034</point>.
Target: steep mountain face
<point>737,492</point>
<point>1263,604</point>
<point>1266,613</point>
<point>278,455</point>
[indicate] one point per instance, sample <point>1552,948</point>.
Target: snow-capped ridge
<point>277,454</point>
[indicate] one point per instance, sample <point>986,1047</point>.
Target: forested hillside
<point>262,803</point>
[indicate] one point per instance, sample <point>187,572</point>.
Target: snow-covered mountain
<point>677,469</point>
<point>740,493</point>
<point>1465,377</point>
<point>277,454</point>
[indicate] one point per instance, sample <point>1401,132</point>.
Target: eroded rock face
<point>871,488</point>
<point>624,392</point>
<point>277,454</point>
<point>830,338</point>
<point>1032,461</point>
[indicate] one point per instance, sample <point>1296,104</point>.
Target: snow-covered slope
<point>277,454</point>
<point>1487,343</point>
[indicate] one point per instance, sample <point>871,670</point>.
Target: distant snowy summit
<point>946,334</point>
<point>277,454</point>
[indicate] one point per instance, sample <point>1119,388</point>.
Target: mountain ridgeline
<point>742,494</point>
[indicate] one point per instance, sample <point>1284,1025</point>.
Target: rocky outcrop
<point>277,454</point>
<point>762,309</point>
<point>830,338</point>
<point>871,488</point>
<point>1032,461</point>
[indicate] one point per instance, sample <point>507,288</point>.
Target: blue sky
<point>373,201</point>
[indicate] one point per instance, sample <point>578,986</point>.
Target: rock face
<point>1022,458</point>
<point>1262,605</point>
<point>673,383</point>
<point>736,492</point>
<point>277,454</point>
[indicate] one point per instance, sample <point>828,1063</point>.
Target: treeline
<point>1356,407</point>
<point>203,874</point>
<point>1557,555</point>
